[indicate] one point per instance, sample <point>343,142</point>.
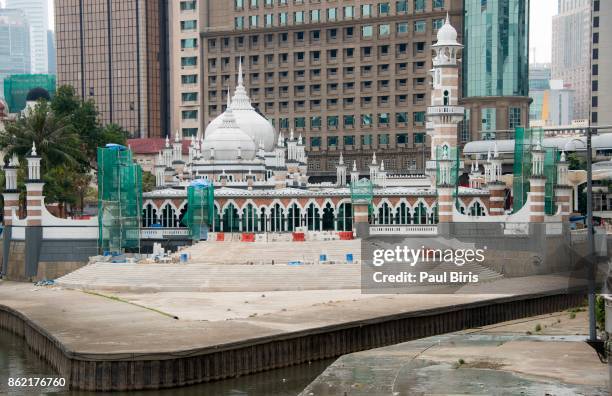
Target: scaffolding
<point>119,200</point>
<point>17,87</point>
<point>451,154</point>
<point>200,209</point>
<point>526,139</point>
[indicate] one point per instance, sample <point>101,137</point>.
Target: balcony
<point>445,110</point>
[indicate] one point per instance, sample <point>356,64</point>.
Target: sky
<point>540,38</point>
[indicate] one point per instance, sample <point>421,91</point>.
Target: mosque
<point>260,176</point>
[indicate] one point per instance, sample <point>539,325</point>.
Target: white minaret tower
<point>341,172</point>
<point>444,114</point>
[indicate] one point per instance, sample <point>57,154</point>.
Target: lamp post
<point>591,238</point>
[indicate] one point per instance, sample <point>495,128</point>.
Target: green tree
<point>55,139</point>
<point>576,162</point>
<point>84,118</point>
<point>60,187</point>
<point>148,181</point>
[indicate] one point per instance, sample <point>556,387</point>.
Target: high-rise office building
<point>52,52</point>
<point>495,67</point>
<point>601,84</point>
<point>349,76</point>
<point>115,52</point>
<point>570,51</point>
<point>37,13</point>
<point>552,100</point>
<point>14,45</point>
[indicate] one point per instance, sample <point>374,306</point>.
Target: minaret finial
<point>240,76</point>
<point>229,100</point>
<point>447,18</point>
<point>341,160</point>
<point>354,166</point>
<point>33,149</point>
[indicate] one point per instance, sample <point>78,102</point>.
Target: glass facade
<point>496,54</point>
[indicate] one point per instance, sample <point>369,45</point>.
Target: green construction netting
<point>362,191</point>
<point>451,154</point>
<point>200,210</point>
<point>551,158</point>
<point>119,200</point>
<point>17,86</point>
<point>526,139</point>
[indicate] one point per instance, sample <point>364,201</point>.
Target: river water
<point>18,361</point>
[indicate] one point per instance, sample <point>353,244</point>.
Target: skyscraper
<point>37,13</point>
<point>570,51</point>
<point>495,67</point>
<point>350,76</point>
<point>114,52</point>
<point>14,45</point>
<point>601,97</point>
<point>52,52</point>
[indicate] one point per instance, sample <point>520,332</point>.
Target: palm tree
<point>55,138</point>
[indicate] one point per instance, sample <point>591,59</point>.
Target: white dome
<point>228,142</point>
<point>251,122</point>
<point>447,35</point>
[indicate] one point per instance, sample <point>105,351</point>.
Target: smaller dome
<point>37,93</point>
<point>228,142</point>
<point>447,35</point>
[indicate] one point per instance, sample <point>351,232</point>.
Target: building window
<point>282,18</point>
<point>189,25</point>
<point>283,123</point>
<point>438,3</point>
<point>332,141</point>
<point>514,117</point>
<point>189,114</point>
<point>332,14</point>
<point>401,118</point>
<point>300,122</point>
<point>366,31</point>
<point>315,122</point>
<point>315,141</point>
<point>189,96</point>
<point>349,121</point>
<point>253,21</point>
<point>366,120</point>
<point>366,140</point>
<point>189,79</point>
<point>383,8</point>
<point>420,26</point>
<point>401,138</point>
<point>402,27</point>
<point>437,23</point>
<point>366,10</point>
<point>189,61</point>
<point>488,122</point>
<point>383,138</point>
<point>383,118</point>
<point>419,117</point>
<point>419,137</point>
<point>465,130</point>
<point>188,5</point>
<point>315,15</point>
<point>239,23</point>
<point>349,12</point>
<point>349,140</point>
<point>254,3</point>
<point>298,17</point>
<point>419,5</point>
<point>332,121</point>
<point>186,132</point>
<point>401,6</point>
<point>384,30</point>
<point>189,43</point>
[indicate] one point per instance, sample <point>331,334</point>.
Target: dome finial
<point>33,149</point>
<point>341,160</point>
<point>447,19</point>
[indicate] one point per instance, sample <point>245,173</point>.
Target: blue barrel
<point>323,257</point>
<point>184,257</point>
<point>349,258</point>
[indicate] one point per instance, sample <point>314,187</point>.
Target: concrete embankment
<point>101,344</point>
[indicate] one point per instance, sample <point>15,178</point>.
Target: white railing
<point>161,233</point>
<point>445,110</point>
<point>411,229</point>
